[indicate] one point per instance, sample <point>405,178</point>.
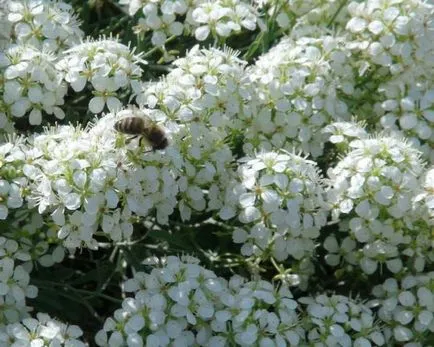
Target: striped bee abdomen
<point>130,125</point>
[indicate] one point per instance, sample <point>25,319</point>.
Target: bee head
<point>158,138</point>
<point>161,145</point>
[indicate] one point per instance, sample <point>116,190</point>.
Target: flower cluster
<point>5,25</point>
<point>397,37</point>
<point>343,133</point>
<point>12,179</point>
<point>166,18</point>
<point>302,13</point>
<point>32,84</point>
<point>44,24</point>
<point>280,197</point>
<point>85,184</point>
<point>182,301</point>
<point>41,331</point>
<point>207,86</point>
<point>88,179</point>
<point>337,320</point>
<point>107,65</point>
<point>14,281</point>
<point>23,239</point>
<point>297,86</point>
<point>408,108</point>
<point>201,99</point>
<point>406,307</point>
<point>392,52</point>
<point>222,18</point>
<point>374,185</point>
<point>239,136</point>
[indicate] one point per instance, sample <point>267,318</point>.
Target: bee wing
<point>148,124</point>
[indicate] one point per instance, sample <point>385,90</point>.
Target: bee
<point>145,128</point>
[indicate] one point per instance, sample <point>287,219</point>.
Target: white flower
<point>12,183</point>
<point>164,18</point>
<point>49,25</point>
<point>406,106</point>
<point>295,95</point>
<point>173,299</point>
<point>406,307</point>
<point>339,319</point>
<point>345,132</point>
<point>25,66</point>
<point>39,331</point>
<point>280,199</point>
<point>374,184</point>
<point>396,36</point>
<point>107,64</point>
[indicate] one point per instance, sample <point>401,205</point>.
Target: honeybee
<point>146,129</point>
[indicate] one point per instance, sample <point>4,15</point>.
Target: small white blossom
<point>107,65</point>
<point>406,308</point>
<point>296,95</point>
<point>183,300</point>
<point>339,320</point>
<point>40,331</point>
<point>199,18</point>
<point>14,280</point>
<point>280,202</point>
<point>44,24</point>
<point>406,107</point>
<point>345,132</point>
<point>397,36</point>
<point>32,84</point>
<point>222,18</point>
<point>374,185</point>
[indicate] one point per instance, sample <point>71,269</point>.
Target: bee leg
<point>142,145</point>
<point>141,142</point>
<point>131,139</point>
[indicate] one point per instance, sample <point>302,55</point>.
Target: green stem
<point>341,6</point>
<point>156,48</point>
<point>91,294</point>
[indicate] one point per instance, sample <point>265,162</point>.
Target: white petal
<point>96,104</point>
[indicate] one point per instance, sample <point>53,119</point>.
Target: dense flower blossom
<point>14,281</point>
<point>32,84</point>
<point>41,331</point>
<point>182,303</point>
<point>302,13</point>
<point>343,133</point>
<point>201,99</point>
<point>96,178</point>
<point>280,202</point>
<point>206,86</point>
<point>5,25</point>
<point>12,180</point>
<point>222,18</point>
<point>374,185</point>
<point>296,94</point>
<point>45,24</point>
<point>233,129</point>
<point>396,36</point>
<point>107,65</point>
<point>337,320</point>
<point>166,18</point>
<point>407,107</point>
<point>406,308</point>
<point>85,182</point>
